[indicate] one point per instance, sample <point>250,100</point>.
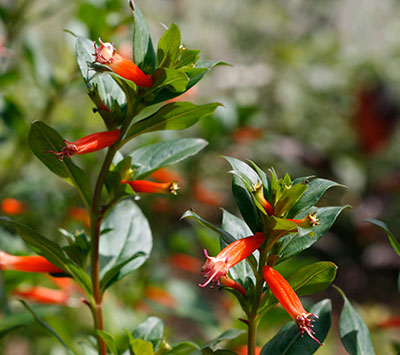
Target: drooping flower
<point>27,263</point>
<point>88,144</point>
<point>171,187</point>
<point>12,207</point>
<point>106,54</point>
<point>216,267</point>
<point>308,221</point>
<point>44,295</point>
<point>289,300</point>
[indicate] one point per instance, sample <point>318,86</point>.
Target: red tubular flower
<point>80,214</point>
<point>216,267</point>
<point>153,187</point>
<point>289,301</point>
<point>12,207</point>
<point>88,144</point>
<point>165,174</point>
<point>259,195</point>
<point>228,282</point>
<point>107,55</point>
<point>27,264</point>
<point>308,221</point>
<point>43,295</point>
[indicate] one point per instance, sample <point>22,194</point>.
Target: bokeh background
<point>313,89</point>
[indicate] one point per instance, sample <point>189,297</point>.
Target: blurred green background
<point>313,89</point>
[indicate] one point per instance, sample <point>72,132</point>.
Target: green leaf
<point>168,47</point>
<point>393,240</point>
<point>187,57</point>
<point>102,88</point>
<point>46,326</point>
<point>294,244</point>
<point>289,198</point>
<point>177,115</point>
<point>143,50</point>
<point>51,251</point>
<point>242,196</point>
<point>127,244</point>
<point>289,341</point>
<point>43,138</point>
<point>109,340</point>
<point>307,280</point>
<point>227,335</point>
<point>172,79</point>
<point>141,347</point>
<point>316,188</point>
<point>184,348</point>
<point>238,229</point>
<point>155,156</point>
<point>353,331</point>
<point>227,237</point>
<point>152,330</point>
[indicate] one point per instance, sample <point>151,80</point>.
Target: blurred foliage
<point>313,90</point>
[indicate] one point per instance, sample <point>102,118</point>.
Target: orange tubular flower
<point>80,214</point>
<point>308,221</point>
<point>160,296</point>
<point>27,264</point>
<point>289,301</point>
<point>184,262</point>
<point>88,144</point>
<point>43,295</point>
<point>216,267</point>
<point>153,187</point>
<point>12,207</point>
<point>107,55</point>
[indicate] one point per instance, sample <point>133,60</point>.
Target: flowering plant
<point>135,97</point>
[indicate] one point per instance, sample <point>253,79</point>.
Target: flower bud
<point>308,221</point>
<point>259,196</point>
<point>153,187</point>
<point>43,295</point>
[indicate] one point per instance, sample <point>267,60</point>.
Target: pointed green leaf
<point>172,79</point>
<point>127,244</point>
<point>289,341</point>
<point>227,335</point>
<point>187,57</point>
<point>152,330</point>
<point>101,87</point>
<point>184,348</point>
<point>42,139</point>
<point>177,115</point>
<point>227,237</point>
<point>289,198</point>
<point>168,47</point>
<point>46,326</point>
<point>5,331</point>
<point>155,156</point>
<point>393,240</point>
<point>316,188</point>
<point>293,244</point>
<point>353,331</point>
<point>144,54</point>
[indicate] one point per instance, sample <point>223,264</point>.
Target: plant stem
<point>253,320</point>
<point>97,214</point>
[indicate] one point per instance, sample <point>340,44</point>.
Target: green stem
<point>97,214</point>
<point>253,320</point>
